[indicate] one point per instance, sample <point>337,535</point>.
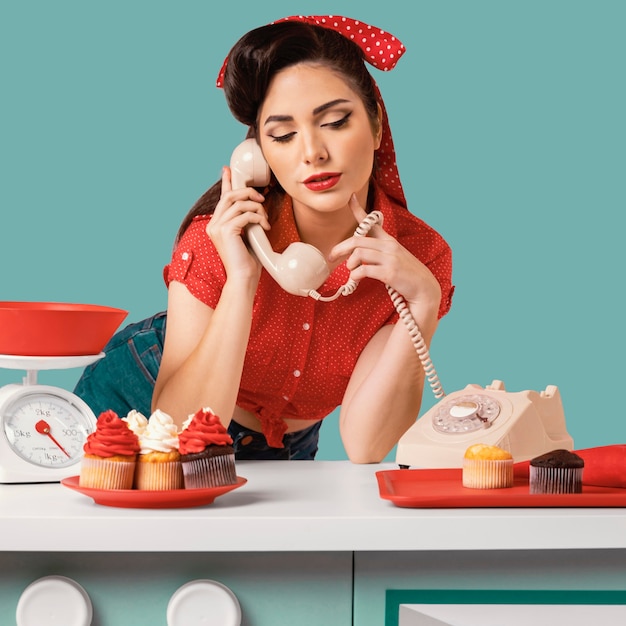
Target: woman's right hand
<point>235,210</point>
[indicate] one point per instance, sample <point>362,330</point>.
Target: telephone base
<point>526,423</point>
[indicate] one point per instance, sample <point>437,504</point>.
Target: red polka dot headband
<point>382,50</point>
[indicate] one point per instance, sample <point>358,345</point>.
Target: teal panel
<point>132,589</point>
<point>458,574</point>
<point>396,597</point>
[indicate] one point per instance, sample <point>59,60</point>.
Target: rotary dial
<point>466,414</point>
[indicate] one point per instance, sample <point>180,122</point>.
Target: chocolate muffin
<point>558,471</point>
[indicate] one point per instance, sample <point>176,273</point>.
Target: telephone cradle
<point>526,423</point>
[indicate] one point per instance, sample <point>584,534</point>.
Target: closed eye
<point>339,123</point>
<point>282,138</point>
<point>333,125</point>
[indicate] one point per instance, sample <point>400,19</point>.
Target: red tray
<point>443,489</point>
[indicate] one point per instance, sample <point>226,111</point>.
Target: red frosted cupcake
<point>110,454</point>
<point>206,452</point>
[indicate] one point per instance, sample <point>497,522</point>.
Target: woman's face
<point>317,137</point>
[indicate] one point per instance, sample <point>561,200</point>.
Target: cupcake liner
<point>158,476</point>
<point>106,474</point>
<point>210,472</point>
<point>480,474</point>
<point>556,479</point>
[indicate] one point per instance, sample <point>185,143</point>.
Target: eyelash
<point>334,125</point>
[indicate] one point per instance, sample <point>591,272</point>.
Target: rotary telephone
<point>526,423</point>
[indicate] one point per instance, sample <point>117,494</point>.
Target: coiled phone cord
<point>376,217</point>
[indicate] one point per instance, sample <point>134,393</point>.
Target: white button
<point>296,373</point>
<point>204,602</point>
<point>54,600</point>
<point>306,326</point>
<point>185,256</point>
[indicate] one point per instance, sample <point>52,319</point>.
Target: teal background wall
<point>509,126</point>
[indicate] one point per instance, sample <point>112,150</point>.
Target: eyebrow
<point>316,111</point>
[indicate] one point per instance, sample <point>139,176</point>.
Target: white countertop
<point>293,506</point>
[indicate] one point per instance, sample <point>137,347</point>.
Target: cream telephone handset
<point>526,423</point>
<point>301,268</point>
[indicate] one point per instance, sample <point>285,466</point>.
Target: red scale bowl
<point>56,329</point>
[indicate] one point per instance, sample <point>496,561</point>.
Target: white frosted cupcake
<point>158,463</point>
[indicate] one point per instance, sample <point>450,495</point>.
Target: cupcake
<point>206,452</point>
<point>559,471</point>
<point>110,454</point>
<point>158,464</point>
<point>487,467</point>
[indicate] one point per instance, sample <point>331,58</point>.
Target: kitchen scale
<point>526,423</point>
<point>42,428</point>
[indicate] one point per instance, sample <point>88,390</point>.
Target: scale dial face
<point>45,428</point>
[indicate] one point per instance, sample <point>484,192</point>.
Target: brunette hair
<point>257,57</point>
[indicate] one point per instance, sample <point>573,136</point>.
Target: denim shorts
<point>124,379</point>
<point>252,445</point>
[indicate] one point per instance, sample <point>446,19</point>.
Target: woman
<point>272,365</point>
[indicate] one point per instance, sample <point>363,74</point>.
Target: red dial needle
<point>43,428</point>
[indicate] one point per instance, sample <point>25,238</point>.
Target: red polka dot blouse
<point>301,352</point>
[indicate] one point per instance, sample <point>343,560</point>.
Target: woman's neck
<point>325,230</point>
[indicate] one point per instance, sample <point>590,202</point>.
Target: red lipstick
<point>322,181</point>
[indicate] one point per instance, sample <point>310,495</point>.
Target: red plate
<point>140,499</point>
<point>443,489</point>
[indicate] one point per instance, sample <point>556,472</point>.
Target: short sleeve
<point>196,264</point>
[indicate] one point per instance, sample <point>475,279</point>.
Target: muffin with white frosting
<point>158,463</point>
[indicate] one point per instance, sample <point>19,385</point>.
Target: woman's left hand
<point>383,258</point>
